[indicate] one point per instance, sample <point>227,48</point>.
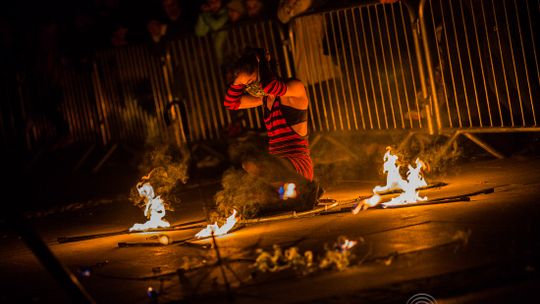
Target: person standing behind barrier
<point>285,106</point>
<point>212,20</point>
<point>170,24</point>
<point>255,8</point>
<point>236,11</point>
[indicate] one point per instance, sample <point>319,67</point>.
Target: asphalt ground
<point>484,250</point>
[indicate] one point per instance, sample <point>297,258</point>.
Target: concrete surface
<point>419,249</point>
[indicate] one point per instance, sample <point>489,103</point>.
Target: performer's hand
<point>244,78</point>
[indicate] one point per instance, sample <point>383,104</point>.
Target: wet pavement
<point>485,250</point>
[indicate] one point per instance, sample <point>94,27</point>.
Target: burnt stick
<point>178,227</point>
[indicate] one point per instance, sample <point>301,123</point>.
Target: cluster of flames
<point>155,208</point>
<point>155,211</point>
<point>394,181</point>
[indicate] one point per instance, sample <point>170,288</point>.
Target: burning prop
<point>154,210</point>
<point>216,230</point>
<point>165,166</point>
<point>394,182</point>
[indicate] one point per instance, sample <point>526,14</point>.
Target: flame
<point>216,230</point>
<point>288,190</point>
<point>393,177</point>
<point>410,195</point>
<point>394,181</point>
<point>155,209</point>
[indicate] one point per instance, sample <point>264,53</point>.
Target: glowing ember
<point>348,244</point>
<point>154,210</point>
<point>394,181</point>
<point>216,230</point>
<point>288,190</point>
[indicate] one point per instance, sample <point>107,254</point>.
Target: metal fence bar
<point>486,93</point>
<point>339,99</point>
<point>338,33</point>
<point>364,83</point>
<point>471,67</point>
<point>335,120</point>
<point>461,69</point>
<point>381,42</point>
<point>492,65</point>
<point>502,61</point>
<point>513,61</point>
<point>378,70</point>
<point>189,85</point>
<point>355,76</point>
<point>394,71</point>
<point>525,60</point>
<point>401,66</point>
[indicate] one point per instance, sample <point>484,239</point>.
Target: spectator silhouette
<point>235,11</point>
<point>171,25</point>
<point>212,19</point>
<point>255,8</point>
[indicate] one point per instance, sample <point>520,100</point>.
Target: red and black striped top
<point>284,142</point>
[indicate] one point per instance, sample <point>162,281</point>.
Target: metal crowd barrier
<point>482,63</point>
<point>130,94</point>
<point>139,92</point>
<point>79,107</point>
<point>475,68</point>
<point>361,68</point>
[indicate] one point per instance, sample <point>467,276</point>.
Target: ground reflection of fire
<point>394,182</point>
<point>154,209</point>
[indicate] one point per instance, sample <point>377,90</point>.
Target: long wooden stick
<point>178,227</point>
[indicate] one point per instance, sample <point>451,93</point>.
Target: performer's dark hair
<point>253,59</point>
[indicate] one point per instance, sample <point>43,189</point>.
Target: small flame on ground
<point>288,190</point>
<point>155,209</point>
<point>216,230</point>
<point>394,181</point>
<point>373,200</point>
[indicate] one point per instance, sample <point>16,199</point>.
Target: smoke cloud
<point>164,167</point>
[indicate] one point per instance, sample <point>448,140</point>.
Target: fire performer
<point>285,106</point>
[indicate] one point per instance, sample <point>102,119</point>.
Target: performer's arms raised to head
<point>293,93</point>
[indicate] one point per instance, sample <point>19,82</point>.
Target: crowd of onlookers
<point>117,23</point>
<point>71,31</point>
<point>81,27</point>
